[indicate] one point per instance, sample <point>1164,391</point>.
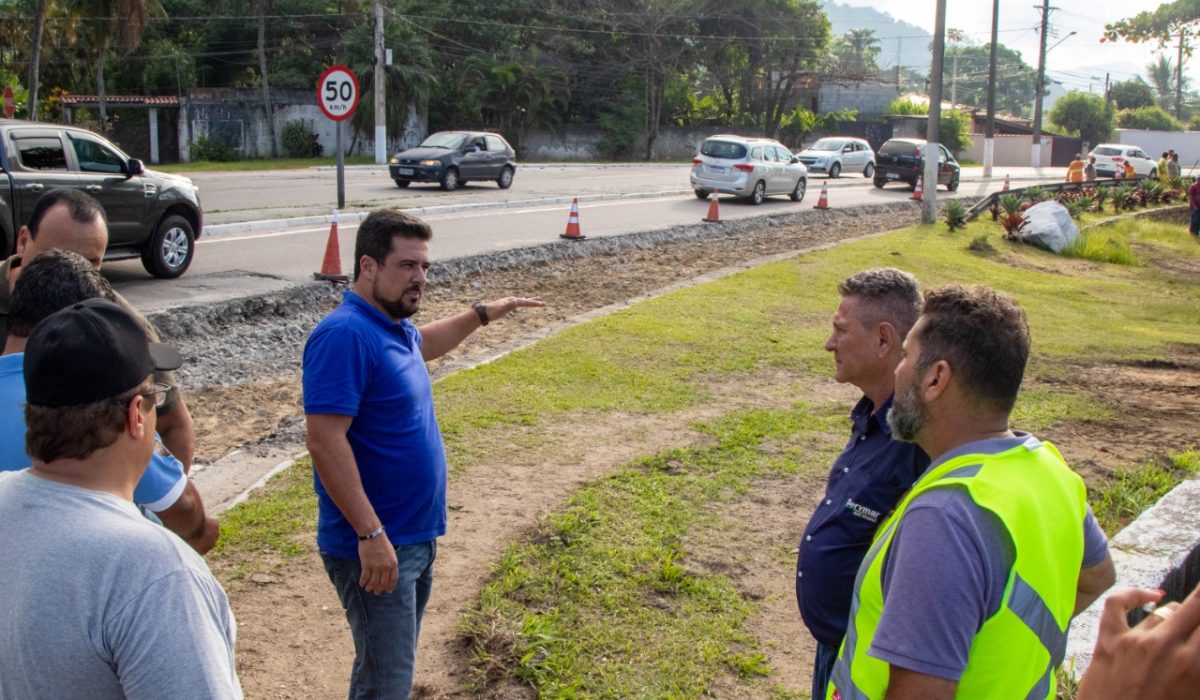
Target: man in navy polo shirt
<point>376,447</point>
<point>877,310</point>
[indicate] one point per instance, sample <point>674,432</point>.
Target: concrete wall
<point>582,142</point>
<point>1185,143</point>
<point>1012,150</point>
<point>871,99</point>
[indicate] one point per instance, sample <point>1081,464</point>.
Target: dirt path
<point>293,641</point>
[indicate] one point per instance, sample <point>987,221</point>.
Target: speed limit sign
<point>337,92</point>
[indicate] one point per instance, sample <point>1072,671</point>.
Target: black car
<point>454,158</point>
<point>900,160</point>
<point>151,215</point>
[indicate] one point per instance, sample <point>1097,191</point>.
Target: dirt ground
<point>292,636</point>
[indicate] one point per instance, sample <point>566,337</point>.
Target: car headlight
<point>431,163</point>
<point>393,160</point>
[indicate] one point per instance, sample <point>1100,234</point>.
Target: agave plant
<point>1077,207</point>
<point>1122,198</point>
<point>1101,196</point>
<point>1035,194</point>
<point>955,214</point>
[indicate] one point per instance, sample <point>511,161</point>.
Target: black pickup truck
<point>151,215</point>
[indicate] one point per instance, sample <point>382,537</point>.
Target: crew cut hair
<point>888,294</point>
<point>83,208</point>
<point>52,281</point>
<point>983,335</point>
<point>377,231</point>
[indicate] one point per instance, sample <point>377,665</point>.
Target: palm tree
<point>863,47</point>
<point>114,24</point>
<point>1162,79</point>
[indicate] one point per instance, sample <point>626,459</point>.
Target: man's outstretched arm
<point>442,336</point>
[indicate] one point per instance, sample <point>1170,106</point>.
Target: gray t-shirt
<point>945,572</point>
<point>101,603</point>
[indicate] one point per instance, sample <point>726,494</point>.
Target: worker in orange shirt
<point>1075,169</point>
<point>1130,173</point>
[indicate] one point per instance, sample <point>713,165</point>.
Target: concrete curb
<point>1158,550</point>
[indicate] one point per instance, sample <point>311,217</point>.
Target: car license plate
<point>714,168</point>
<point>893,176</point>
<point>404,171</point>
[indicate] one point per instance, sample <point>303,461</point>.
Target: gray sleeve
<point>943,577</point>
<point>1095,544</point>
<point>176,641</point>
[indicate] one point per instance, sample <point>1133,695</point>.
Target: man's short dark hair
<point>75,432</point>
<point>83,208</point>
<point>376,232</point>
<point>54,280</point>
<point>889,294</point>
<point>983,335</point>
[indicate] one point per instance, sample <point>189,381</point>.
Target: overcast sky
<point>1079,61</point>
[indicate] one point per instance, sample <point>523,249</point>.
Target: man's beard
<point>908,415</point>
<point>399,308</point>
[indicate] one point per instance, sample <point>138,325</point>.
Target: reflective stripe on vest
<point>1016,651</point>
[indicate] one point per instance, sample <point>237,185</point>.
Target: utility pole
<point>1179,79</point>
<point>929,207</point>
<point>954,79</point>
<point>380,105</point>
<point>1036,152</point>
<point>989,143</point>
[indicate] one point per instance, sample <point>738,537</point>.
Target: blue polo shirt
<point>865,484</point>
<point>360,363</point>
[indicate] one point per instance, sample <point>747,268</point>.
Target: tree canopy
<point>1090,116</point>
<point>1131,94</point>
<point>1161,25</point>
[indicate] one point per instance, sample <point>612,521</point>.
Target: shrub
<point>1035,194</point>
<point>299,141</point>
<point>1101,196</point>
<point>1094,245</point>
<point>213,150</point>
<point>955,214</point>
<point>1011,219</point>
<point>1122,198</point>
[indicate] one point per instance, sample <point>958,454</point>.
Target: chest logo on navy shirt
<point>862,511</point>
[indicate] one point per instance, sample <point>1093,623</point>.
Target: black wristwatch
<point>481,311</point>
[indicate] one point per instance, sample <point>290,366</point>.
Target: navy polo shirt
<point>865,484</point>
<point>360,363</point>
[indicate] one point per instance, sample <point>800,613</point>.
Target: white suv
<point>747,167</point>
<point>1112,156</point>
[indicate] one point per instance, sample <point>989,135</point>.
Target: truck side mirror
<point>134,167</point>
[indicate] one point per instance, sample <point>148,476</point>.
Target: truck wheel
<point>169,251</point>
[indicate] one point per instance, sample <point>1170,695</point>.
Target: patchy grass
<point>200,166</point>
<point>1133,490</point>
<point>604,601</point>
<point>1102,244</point>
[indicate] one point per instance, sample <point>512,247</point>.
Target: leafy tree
<point>903,107</point>
<point>409,82</point>
<point>800,122</point>
<point>1153,118</point>
<point>1090,116</point>
<point>855,53</point>
<point>515,96</point>
<point>1131,94</point>
<point>1015,80</point>
<point>1161,25</point>
<point>114,24</point>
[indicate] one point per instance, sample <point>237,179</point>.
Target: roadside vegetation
<point>198,166</point>
<point>620,591</point>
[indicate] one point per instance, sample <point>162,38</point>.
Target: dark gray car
<point>151,215</point>
<point>454,158</point>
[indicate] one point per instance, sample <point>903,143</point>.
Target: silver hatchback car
<point>747,167</point>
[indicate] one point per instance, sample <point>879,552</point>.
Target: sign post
<point>337,95</point>
<point>10,104</point>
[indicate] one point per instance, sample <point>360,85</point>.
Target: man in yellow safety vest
<point>969,587</point>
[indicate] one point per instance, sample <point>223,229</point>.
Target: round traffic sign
<point>10,104</point>
<point>337,92</point>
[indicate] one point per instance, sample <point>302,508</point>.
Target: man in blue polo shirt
<point>376,447</point>
<point>877,310</point>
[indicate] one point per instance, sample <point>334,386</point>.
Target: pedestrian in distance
<point>1163,169</point>
<point>1173,169</point>
<point>1159,658</point>
<point>1089,170</point>
<point>1075,169</point>
<point>73,220</point>
<point>1130,173</point>
<point>1193,195</point>
<point>98,601</point>
<point>877,309</point>
<point>50,282</point>
<point>376,447</point>
<point>970,585</point>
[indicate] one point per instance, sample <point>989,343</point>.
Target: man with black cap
<point>99,601</point>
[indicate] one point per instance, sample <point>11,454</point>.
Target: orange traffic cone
<point>917,191</point>
<point>823,200</point>
<point>1005,188</point>
<point>572,233</point>
<point>331,266</point>
<point>714,211</point>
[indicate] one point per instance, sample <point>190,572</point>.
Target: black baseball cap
<point>90,351</point>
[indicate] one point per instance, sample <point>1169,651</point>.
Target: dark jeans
<point>384,627</point>
<point>822,668</point>
<point>1195,227</point>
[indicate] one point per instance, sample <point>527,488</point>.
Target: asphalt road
<point>239,259</point>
